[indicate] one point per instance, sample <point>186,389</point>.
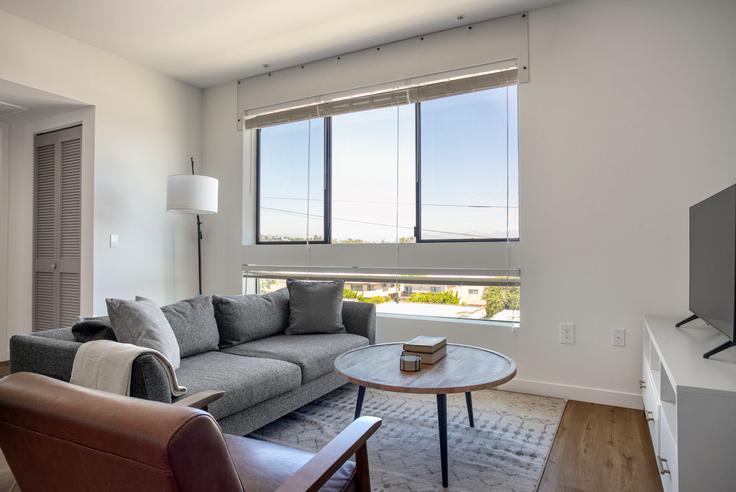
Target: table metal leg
<point>359,403</point>
<point>442,418</point>
<point>469,403</point>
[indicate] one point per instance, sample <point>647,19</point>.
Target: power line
<point>373,202</point>
<point>293,212</point>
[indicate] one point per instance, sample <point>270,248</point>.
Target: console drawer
<point>651,408</point>
<point>667,457</point>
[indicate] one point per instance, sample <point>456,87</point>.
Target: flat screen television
<point>713,264</point>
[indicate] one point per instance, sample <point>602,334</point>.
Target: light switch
<point>114,241</point>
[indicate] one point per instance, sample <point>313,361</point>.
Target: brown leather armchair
<point>56,436</point>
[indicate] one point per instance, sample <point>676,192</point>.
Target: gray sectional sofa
<point>265,377</point>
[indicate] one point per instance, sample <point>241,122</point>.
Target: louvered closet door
<point>57,228</point>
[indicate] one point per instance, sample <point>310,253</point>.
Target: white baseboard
<point>571,392</point>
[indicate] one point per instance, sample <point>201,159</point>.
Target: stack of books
<point>429,349</point>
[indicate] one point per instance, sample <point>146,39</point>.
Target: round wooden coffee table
<point>463,370</point>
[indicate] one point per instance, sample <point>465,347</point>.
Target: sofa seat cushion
<point>314,354</point>
<point>264,466</point>
<point>246,381</point>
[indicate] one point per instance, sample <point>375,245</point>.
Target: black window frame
<point>418,193</point>
<point>328,190</point>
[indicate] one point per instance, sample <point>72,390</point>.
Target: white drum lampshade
<point>191,194</point>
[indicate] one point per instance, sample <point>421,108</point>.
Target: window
<point>465,162</point>
<point>443,169</point>
<point>373,176</point>
<point>498,299</point>
<point>291,183</point>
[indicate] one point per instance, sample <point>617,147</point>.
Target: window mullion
<point>258,186</point>
<point>418,171</point>
<point>328,180</point>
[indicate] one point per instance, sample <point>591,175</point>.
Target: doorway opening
<point>57,227</point>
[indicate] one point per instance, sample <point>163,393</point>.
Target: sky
<point>464,172</point>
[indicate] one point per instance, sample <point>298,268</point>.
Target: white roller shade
<point>440,85</point>
<point>427,276</point>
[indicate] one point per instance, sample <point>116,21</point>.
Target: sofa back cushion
<point>194,325</point>
<point>243,319</point>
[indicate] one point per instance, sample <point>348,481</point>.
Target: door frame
<point>4,231</point>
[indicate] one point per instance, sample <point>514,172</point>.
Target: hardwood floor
<point>601,448</point>
<point>598,448</point>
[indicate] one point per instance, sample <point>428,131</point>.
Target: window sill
<point>464,321</point>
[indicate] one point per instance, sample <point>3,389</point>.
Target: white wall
<point>222,156</point>
<point>146,126</point>
<point>628,119</point>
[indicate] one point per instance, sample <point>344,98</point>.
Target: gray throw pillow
<point>243,319</point>
<point>141,322</point>
<point>315,307</point>
<point>193,323</point>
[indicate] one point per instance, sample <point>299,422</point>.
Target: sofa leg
<point>362,473</point>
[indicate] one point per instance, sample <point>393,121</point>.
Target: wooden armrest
<point>200,400</point>
<point>317,471</point>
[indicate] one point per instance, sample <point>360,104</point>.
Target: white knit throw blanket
<point>106,365</point>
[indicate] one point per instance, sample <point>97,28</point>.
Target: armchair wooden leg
<point>362,474</point>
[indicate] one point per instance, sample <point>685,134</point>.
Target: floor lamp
<point>196,195</point>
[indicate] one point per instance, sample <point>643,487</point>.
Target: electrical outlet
<point>619,337</point>
<point>567,333</point>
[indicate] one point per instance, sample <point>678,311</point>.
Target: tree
<point>513,298</point>
<point>268,284</point>
<point>351,294</point>
<point>447,297</point>
<point>499,298</point>
<point>377,299</point>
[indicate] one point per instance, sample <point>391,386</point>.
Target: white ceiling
<point>209,42</point>
<point>35,104</point>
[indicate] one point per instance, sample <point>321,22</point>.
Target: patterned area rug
<point>506,451</point>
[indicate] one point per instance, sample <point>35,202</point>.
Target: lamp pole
<point>199,241</point>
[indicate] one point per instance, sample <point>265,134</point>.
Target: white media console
<point>690,405</point>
